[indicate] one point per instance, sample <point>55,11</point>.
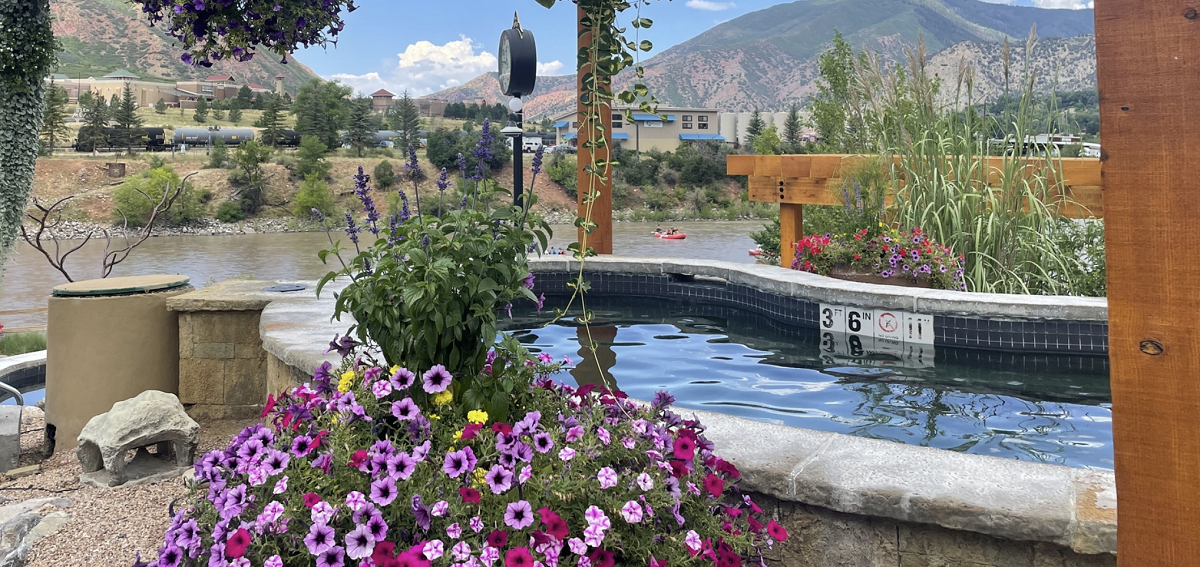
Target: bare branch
<point>57,259</point>
<point>111,259</point>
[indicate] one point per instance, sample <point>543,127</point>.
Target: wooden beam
<point>1149,79</point>
<point>791,230</point>
<point>600,238</point>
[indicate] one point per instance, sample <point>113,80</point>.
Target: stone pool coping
<point>1002,498</point>
<point>821,289</point>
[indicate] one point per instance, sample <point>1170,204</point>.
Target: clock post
<point>517,74</point>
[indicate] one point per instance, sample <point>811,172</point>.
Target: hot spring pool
<point>1044,408</point>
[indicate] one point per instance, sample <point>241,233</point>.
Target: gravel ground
<point>108,526</point>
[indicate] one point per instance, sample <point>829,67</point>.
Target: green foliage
<point>862,192</point>
<point>310,158</point>
<point>442,148</point>
<point>754,128</point>
<point>270,121</point>
<point>160,107</point>
<point>235,114</point>
<point>129,125</point>
<point>201,114</point>
<point>699,162</point>
<point>136,198</point>
<point>563,170</point>
<point>406,119</point>
<point>360,134</point>
<point>231,212</point>
<point>314,194</point>
<point>791,129</point>
<point>245,96</point>
<point>768,237</point>
<point>1086,269</point>
<point>767,142</point>
<point>249,178</point>
<point>322,108</point>
<point>454,272</point>
<point>54,118</point>
<point>95,120</point>
<point>12,344</point>
<point>218,154</point>
<point>218,114</point>
<point>836,68</point>
<point>383,176</point>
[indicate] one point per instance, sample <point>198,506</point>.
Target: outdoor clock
<point>517,61</point>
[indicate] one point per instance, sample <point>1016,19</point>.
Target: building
<point>382,101</point>
<point>663,131</point>
<point>147,93</point>
<point>432,106</point>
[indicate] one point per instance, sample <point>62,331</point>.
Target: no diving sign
<point>901,326</point>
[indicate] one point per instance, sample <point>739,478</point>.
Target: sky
<point>425,46</point>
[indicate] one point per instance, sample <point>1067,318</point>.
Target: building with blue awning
<point>664,130</point>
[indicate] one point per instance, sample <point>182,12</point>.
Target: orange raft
<point>677,236</point>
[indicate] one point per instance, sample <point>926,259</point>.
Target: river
<point>29,278</point>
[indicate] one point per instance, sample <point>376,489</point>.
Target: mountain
<point>767,59</point>
<point>1061,64</point>
<point>101,36</point>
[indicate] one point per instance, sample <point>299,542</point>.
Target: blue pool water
<point>1052,409</point>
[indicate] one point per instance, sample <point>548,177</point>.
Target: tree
<point>85,99</point>
<point>129,124</point>
<point>321,109</point>
<point>314,193</point>
<point>359,133</point>
<point>218,114</point>
<point>201,115</point>
<point>113,102</point>
<point>95,120</point>
<point>218,154</point>
<point>310,158</point>
<point>546,125</point>
<point>767,142</point>
<point>54,122</point>
<point>408,122</point>
<point>791,128</point>
<point>249,176</point>
<point>835,65</point>
<point>160,107</point>
<point>384,176</point>
<point>245,96</point>
<point>442,148</point>
<point>754,128</point>
<point>235,113</point>
<point>270,122</point>
<point>135,199</point>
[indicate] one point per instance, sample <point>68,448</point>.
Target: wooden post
<point>791,230</point>
<point>600,239</point>
<point>1149,78</point>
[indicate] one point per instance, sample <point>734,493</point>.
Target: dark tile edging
<point>994,322</point>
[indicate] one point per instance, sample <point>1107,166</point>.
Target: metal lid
<point>120,286</point>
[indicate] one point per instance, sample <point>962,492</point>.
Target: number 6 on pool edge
<point>854,322</point>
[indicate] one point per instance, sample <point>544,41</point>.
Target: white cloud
<point>709,5</point>
<point>425,68</point>
<point>551,68</point>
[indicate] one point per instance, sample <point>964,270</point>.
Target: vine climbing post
<point>26,55</point>
<point>594,190</point>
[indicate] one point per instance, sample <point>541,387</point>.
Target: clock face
<point>505,60</point>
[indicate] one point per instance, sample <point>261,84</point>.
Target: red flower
<point>311,499</point>
<point>470,431</point>
<point>685,448</point>
<point>235,546</point>
<point>519,557</point>
<point>383,553</point>
<point>755,525</point>
<point>857,257</point>
<point>753,507</point>
<point>502,428</point>
<point>601,558</point>
<point>729,559</point>
<point>497,539</point>
<point>776,531</point>
<point>555,525</point>
<point>733,512</point>
<point>358,458</point>
<point>728,468</point>
<point>469,495</point>
<point>714,485</point>
<point>267,408</point>
<point>319,437</point>
<point>679,468</point>
<point>411,558</point>
<point>657,563</point>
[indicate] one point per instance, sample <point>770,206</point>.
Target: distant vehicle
<point>152,140</point>
<point>206,136</point>
<point>1090,149</point>
<point>563,149</point>
<point>531,144</point>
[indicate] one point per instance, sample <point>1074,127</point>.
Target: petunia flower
<point>776,531</point>
<point>518,515</point>
<point>335,556</point>
<point>311,499</point>
<point>604,436</point>
<point>692,541</point>
<point>436,379</point>
<point>405,409</point>
<point>645,482</point>
<point>355,501</point>
<point>714,485</point>
<point>518,557</point>
<point>378,527</point>
<point>439,509</point>
<point>542,442</point>
<point>322,512</point>
<point>459,462</point>
<point>685,448</point>
<point>632,512</point>
<point>320,538</point>
<point>454,531</point>
<point>578,547</point>
<point>566,454</point>
<point>381,389</point>
<point>499,479</point>
<point>497,539</point>
<point>433,549</point>
<point>593,536</point>
<point>525,474</point>
<point>607,477</point>
<point>401,466</point>
<point>602,558</point>
<point>401,378</point>
<point>469,495</point>
<point>595,517</point>
<point>359,543</point>
<point>383,491</point>
<point>476,524</point>
<point>461,551</point>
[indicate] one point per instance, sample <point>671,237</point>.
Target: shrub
<point>231,211</point>
<point>218,155</point>
<point>384,176</point>
<point>562,170</point>
<point>353,469</point>
<point>136,198</point>
<point>249,177</point>
<point>310,158</point>
<point>314,194</point>
<point>12,344</point>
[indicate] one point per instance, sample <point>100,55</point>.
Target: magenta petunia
<point>519,557</point>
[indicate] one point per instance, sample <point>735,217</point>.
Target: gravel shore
<point>107,526</point>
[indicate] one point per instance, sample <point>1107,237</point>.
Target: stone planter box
<point>852,275</point>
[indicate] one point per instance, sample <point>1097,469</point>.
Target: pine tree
<point>95,120</point>
<point>201,115</point>
<point>218,114</point>
<point>791,128</point>
<point>270,121</point>
<point>160,107</point>
<point>54,125</point>
<point>235,113</point>
<point>359,133</point>
<point>113,103</point>
<point>245,96</point>
<point>408,122</point>
<point>129,124</point>
<point>754,128</point>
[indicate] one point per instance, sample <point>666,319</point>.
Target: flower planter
<point>852,275</point>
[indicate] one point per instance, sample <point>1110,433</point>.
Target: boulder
<point>152,418</point>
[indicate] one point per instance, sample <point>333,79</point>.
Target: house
<point>147,92</point>
<point>643,131</point>
<point>382,101</point>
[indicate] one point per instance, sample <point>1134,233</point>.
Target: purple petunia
<point>542,442</point>
<point>499,479</point>
<point>319,538</point>
<point>333,557</point>
<point>401,466</point>
<point>405,409</point>
<point>402,378</point>
<point>378,527</point>
<point>459,462</point>
<point>383,491</point>
<point>436,379</point>
<point>359,543</point>
<point>518,515</point>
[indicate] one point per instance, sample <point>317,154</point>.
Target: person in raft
<point>658,230</point>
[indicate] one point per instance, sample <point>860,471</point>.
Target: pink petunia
<point>607,477</point>
<point>632,512</point>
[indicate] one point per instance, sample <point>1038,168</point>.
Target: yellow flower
<point>479,478</point>
<point>477,416</point>
<point>442,398</point>
<point>435,416</point>
<point>347,381</point>
<point>393,369</point>
<point>457,435</point>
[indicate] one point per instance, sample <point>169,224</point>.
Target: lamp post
<point>517,74</point>
<point>515,131</point>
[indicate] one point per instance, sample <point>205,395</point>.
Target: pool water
<point>1052,409</point>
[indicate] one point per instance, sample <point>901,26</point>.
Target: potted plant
<point>893,257</point>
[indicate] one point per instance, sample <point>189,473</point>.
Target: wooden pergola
<point>1148,64</point>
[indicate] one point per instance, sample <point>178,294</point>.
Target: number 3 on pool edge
<point>827,318</point>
